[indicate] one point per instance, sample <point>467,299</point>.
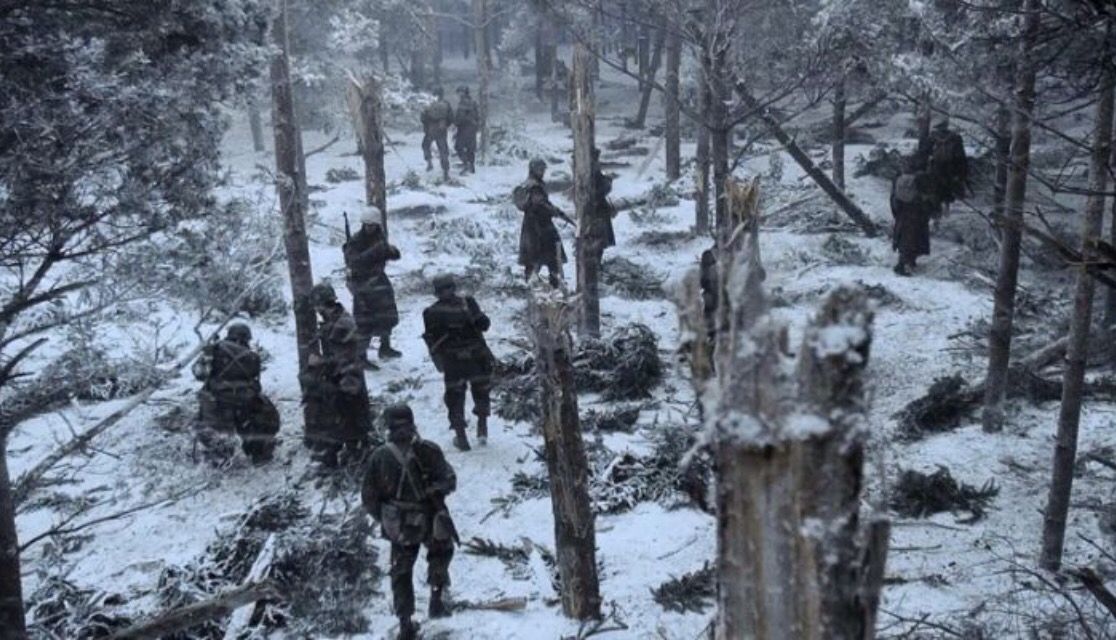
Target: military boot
<point>408,629</point>
<point>482,430</point>
<point>438,608</point>
<point>386,352</point>
<point>460,440</point>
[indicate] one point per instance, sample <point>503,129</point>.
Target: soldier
<point>600,233</point>
<point>539,242</point>
<point>947,165</point>
<point>710,293</point>
<point>913,203</point>
<point>436,120</point>
<point>467,121</point>
<point>340,378</point>
<point>455,328</point>
<point>405,490</point>
<point>231,400</point>
<point>366,254</point>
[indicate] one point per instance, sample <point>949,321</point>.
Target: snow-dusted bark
<point>582,118</point>
<point>671,129</point>
<point>366,103</point>
<point>566,463</point>
<point>1073,379</point>
<point>480,33</point>
<point>793,560</point>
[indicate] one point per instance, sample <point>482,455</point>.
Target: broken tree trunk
<point>793,560</point>
<point>649,81</point>
<point>197,613</point>
<point>671,118</point>
<point>839,131</point>
<point>484,71</point>
<point>366,104</point>
<point>1073,379</point>
<point>1003,312</point>
<point>836,194</point>
<point>567,466</point>
<point>588,254</point>
<point>292,203</point>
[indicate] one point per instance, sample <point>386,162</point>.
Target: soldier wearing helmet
<point>436,121</point>
<point>467,122</point>
<point>539,242</point>
<point>367,253</point>
<point>455,327</point>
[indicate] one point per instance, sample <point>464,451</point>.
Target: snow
<point>945,568</point>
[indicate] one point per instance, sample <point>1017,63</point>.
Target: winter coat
<point>539,242</point>
<point>601,219</point>
<point>948,165</point>
<point>366,255</point>
<point>341,379</point>
<point>437,118</point>
<point>408,499</point>
<point>467,117</point>
<point>234,372</point>
<point>912,206</point>
<point>455,333</point>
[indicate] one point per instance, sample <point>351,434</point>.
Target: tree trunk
<point>418,69</point>
<point>643,51</point>
<point>1110,293</point>
<point>287,147</point>
<point>652,71</point>
<point>1003,160</point>
<point>588,257</point>
<point>11,589</point>
<point>365,100</point>
<point>671,127</point>
<point>254,122</point>
<point>839,132</point>
<point>542,60</point>
<point>1073,378</point>
<point>434,44</point>
<point>484,71</point>
<point>803,160</point>
<point>555,83</point>
<point>1003,313</point>
<point>385,56</point>
<point>567,466</point>
<point>717,121</point>
<point>625,36</point>
<point>702,171</point>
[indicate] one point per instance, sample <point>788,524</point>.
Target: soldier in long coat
<point>367,253</point>
<point>913,204</point>
<point>466,119</point>
<point>539,242</point>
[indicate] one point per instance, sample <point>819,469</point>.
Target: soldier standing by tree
<point>467,121</point>
<point>455,327</point>
<point>600,232</point>
<point>231,400</point>
<point>405,490</point>
<point>947,164</point>
<point>539,242</point>
<point>913,203</point>
<point>436,120</point>
<point>366,255</point>
<point>340,378</point>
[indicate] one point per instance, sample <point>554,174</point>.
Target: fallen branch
<point>499,604</point>
<point>191,615</point>
<point>62,528</point>
<point>321,148</point>
<point>1094,585</point>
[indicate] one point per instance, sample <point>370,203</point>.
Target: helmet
<point>398,416</point>
<point>537,165</point>
<point>239,332</point>
<point>371,215</point>
<point>443,282</point>
<point>322,295</point>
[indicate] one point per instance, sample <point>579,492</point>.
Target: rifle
<point>348,233</point>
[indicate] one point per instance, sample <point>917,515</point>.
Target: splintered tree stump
<point>566,463</point>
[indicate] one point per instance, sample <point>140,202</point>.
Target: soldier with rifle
<point>367,253</point>
<point>455,327</point>
<point>539,242</point>
<point>405,490</point>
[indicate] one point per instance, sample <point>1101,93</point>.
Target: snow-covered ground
<point>937,565</point>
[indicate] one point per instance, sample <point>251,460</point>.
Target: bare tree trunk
<point>418,69</point>
<point>717,120</point>
<point>255,123</point>
<point>839,132</point>
<point>588,256</point>
<point>625,35</point>
<point>792,558</point>
<point>1003,160</point>
<point>643,51</point>
<point>365,100</point>
<point>555,84</point>
<point>287,146</point>
<point>385,56</point>
<point>652,71</point>
<point>543,62</point>
<point>1110,292</point>
<point>701,174</point>
<point>12,620</point>
<point>672,128</point>
<point>434,44</point>
<point>567,466</point>
<point>1073,378</point>
<point>1003,313</point>
<point>484,70</point>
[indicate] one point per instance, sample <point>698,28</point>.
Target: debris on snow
<point>917,495</point>
<point>693,592</point>
<point>631,281</point>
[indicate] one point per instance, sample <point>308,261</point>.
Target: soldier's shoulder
<point>428,447</point>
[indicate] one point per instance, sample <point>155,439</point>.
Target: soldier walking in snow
<point>913,204</point>
<point>366,254</point>
<point>405,490</point>
<point>231,400</point>
<point>436,121</point>
<point>338,380</point>
<point>467,121</point>
<point>455,327</point>
<point>539,242</point>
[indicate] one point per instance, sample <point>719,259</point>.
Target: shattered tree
<point>793,560</point>
<point>566,462</point>
<point>365,105</point>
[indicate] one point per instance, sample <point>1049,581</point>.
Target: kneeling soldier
<point>231,400</point>
<point>405,489</point>
<point>455,328</point>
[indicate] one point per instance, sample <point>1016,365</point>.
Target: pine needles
<point>918,495</point>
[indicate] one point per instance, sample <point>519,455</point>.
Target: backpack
<point>906,188</point>
<point>948,152</point>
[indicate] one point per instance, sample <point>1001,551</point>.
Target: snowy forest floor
<point>954,573</point>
